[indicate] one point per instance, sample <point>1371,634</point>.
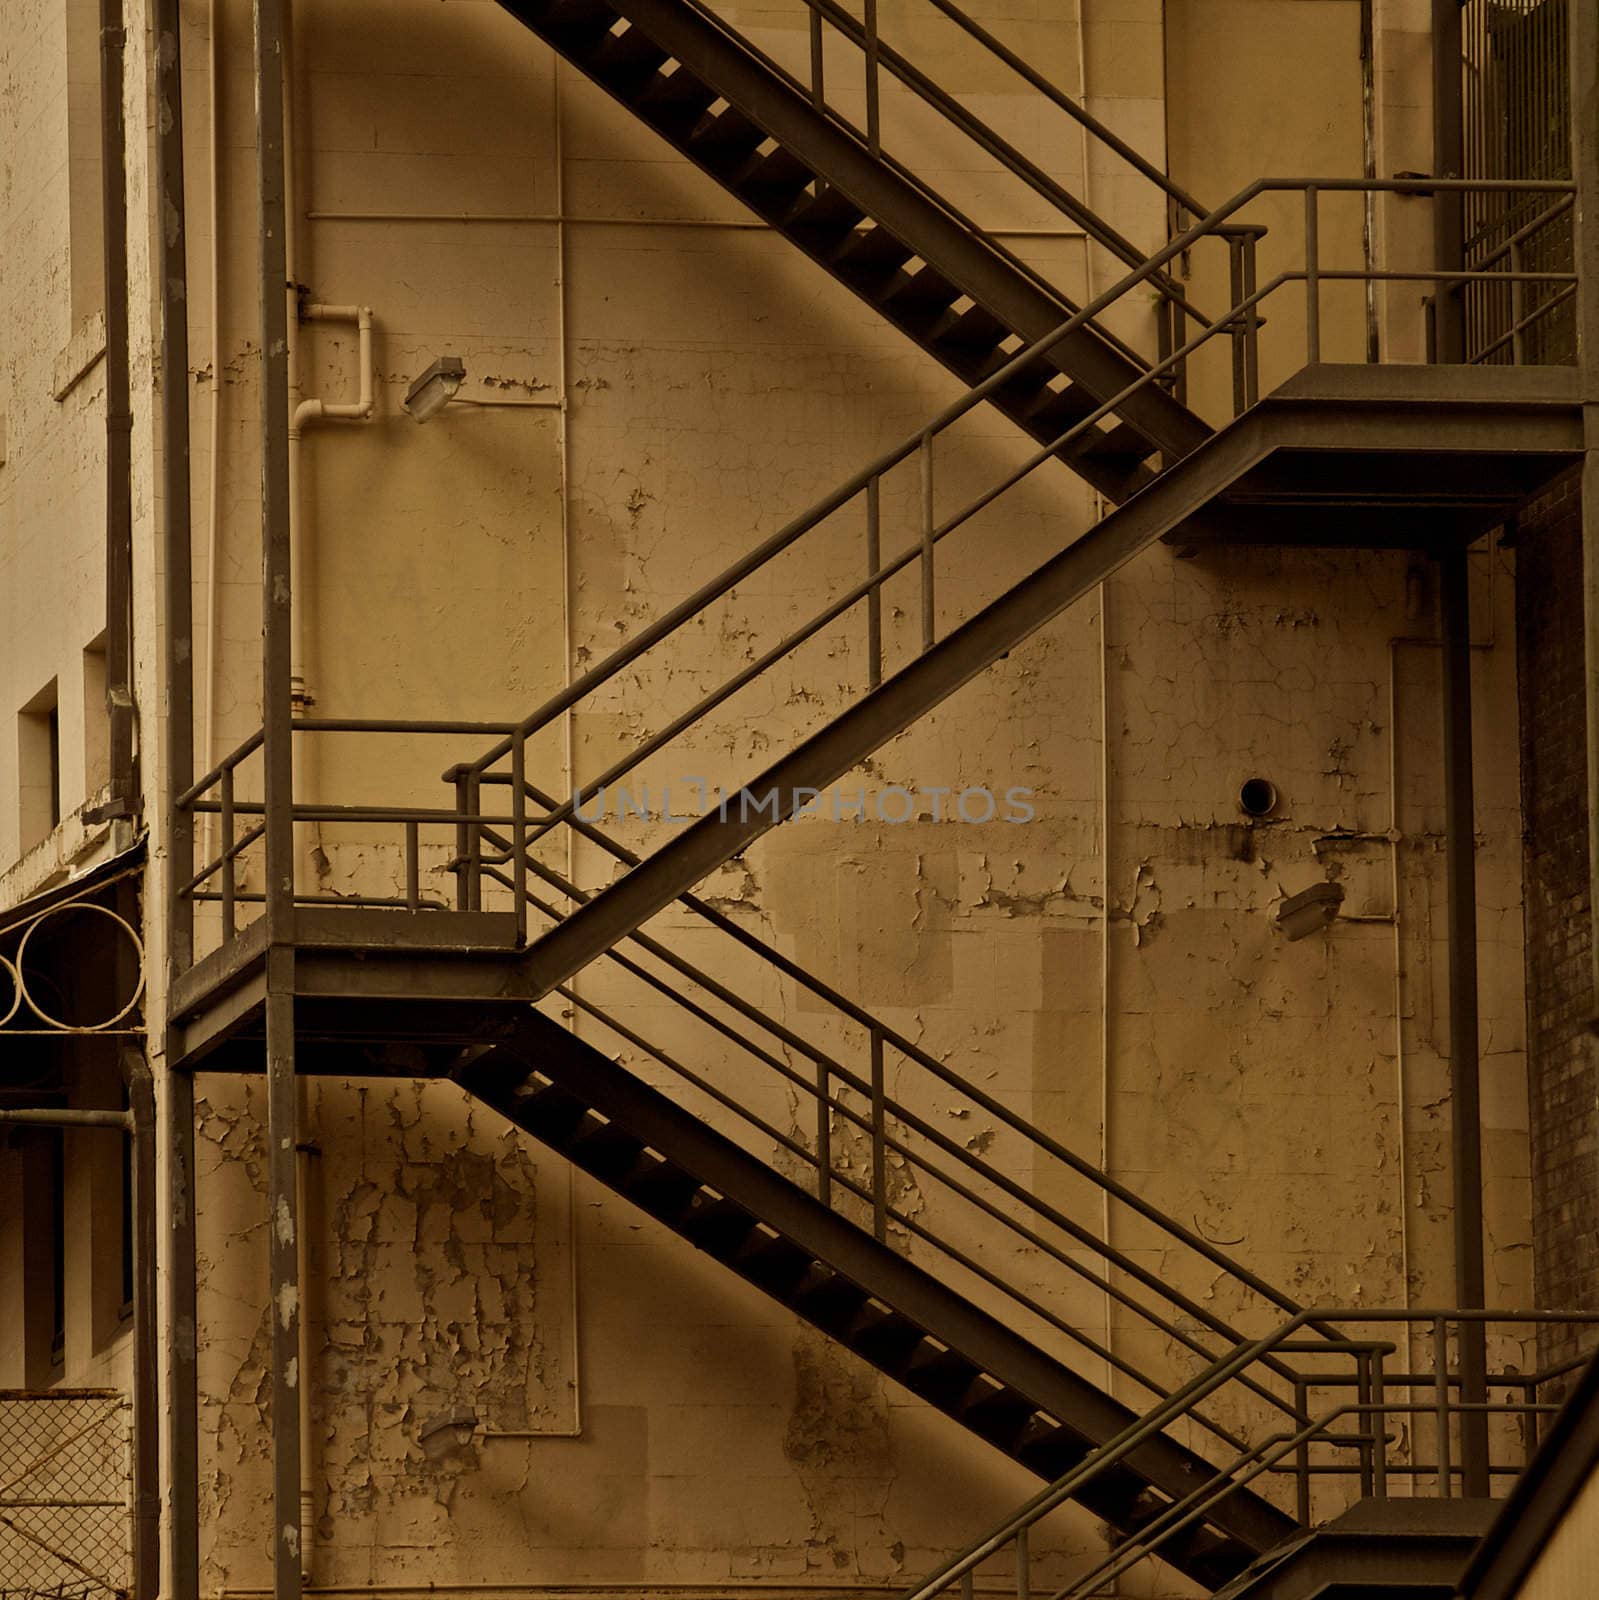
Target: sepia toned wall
<point>653,385</point>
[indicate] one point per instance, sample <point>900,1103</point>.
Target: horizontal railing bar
<point>992,143</point>
<point>1528,229</point>
<point>396,725</point>
<point>1526,322</point>
<point>1059,97</point>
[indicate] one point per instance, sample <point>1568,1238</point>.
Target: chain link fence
<point>64,1494</point>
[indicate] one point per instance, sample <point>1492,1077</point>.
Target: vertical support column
<point>1448,161</point>
<point>1584,23</point>
<point>1465,1114</point>
<point>175,1104</point>
<point>277,729</point>
<point>146,1410</point>
<point>183,1460</point>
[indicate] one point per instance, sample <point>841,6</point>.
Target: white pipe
<point>213,604</point>
<point>306,412</point>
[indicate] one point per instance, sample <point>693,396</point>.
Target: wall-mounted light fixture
<point>1309,911</point>
<point>434,390</point>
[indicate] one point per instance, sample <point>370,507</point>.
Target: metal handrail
<point>1265,1454</point>
<point>1242,321</point>
<point>993,143</point>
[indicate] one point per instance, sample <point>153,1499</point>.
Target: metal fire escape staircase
<point>775,1149</point>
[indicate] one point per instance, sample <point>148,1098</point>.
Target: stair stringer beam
<point>540,1044</point>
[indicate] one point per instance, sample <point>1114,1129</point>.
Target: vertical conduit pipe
<point>146,1448</point>
<point>177,1100</point>
<point>1448,161</point>
<point>278,761</point>
<point>1584,25</point>
<point>124,799</point>
<point>1465,1115</point>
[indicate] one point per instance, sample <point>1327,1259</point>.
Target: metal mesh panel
<point>64,1500</point>
<point>1517,108</point>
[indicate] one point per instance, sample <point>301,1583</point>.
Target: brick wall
<point>1564,1085</point>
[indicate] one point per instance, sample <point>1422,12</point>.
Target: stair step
<point>924,293</point>
<point>578,25</point>
<point>1049,1448</point>
<point>943,1376</point>
<point>624,54</point>
<point>551,1113</point>
<point>717,1225</point>
<point>725,138</point>
<point>830,1301</point>
<point>1001,1415</point>
<point>969,327</point>
<point>772,1262</point>
<point>674,100</point>
<point>771,180</point>
<point>660,1187</point>
<point>606,1150</point>
<point>883,1336</point>
<point>869,254</point>
<point>826,211</point>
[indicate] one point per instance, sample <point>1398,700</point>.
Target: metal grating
<point>64,1494</point>
<point>1517,110</point>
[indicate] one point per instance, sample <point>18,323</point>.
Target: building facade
<point>1131,959</point>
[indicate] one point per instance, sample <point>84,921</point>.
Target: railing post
<point>1379,1430</point>
<point>1440,1389</point>
<point>1518,301</point>
<point>463,843</point>
<point>413,867</point>
<point>1312,277</point>
<point>874,600</point>
<point>1023,1565</point>
<point>824,1137</point>
<point>818,93</point>
<point>474,842</point>
<point>1235,274</point>
<point>1302,1450</point>
<point>874,126</point>
<point>929,624</point>
<point>229,924</point>
<point>519,833</point>
<point>967,1585</point>
<point>879,1166</point>
<point>1251,323</point>
<point>1363,1399</point>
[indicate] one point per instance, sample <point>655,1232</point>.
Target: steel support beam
<point>277,752</point>
<point>146,1405</point>
<point>1465,1112</point>
<point>176,1106</point>
<point>1448,161</point>
<point>1584,25</point>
